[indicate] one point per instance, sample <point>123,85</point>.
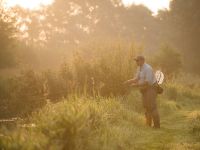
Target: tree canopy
<point>7,40</point>
<point>68,23</point>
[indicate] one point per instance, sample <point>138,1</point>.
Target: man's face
<point>139,62</point>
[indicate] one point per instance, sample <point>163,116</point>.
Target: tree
<point>68,22</point>
<point>7,39</point>
<point>168,60</point>
<point>181,28</point>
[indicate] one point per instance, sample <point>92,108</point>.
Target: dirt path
<point>174,134</point>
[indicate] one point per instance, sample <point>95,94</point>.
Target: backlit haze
<point>153,5</point>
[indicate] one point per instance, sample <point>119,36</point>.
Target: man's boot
<point>156,118</point>
<point>148,119</point>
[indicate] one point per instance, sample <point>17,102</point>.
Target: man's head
<point>139,60</point>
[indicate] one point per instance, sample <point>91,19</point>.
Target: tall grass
<point>196,126</point>
<point>22,93</point>
<point>96,123</point>
<point>183,86</point>
<point>77,124</point>
<point>100,73</point>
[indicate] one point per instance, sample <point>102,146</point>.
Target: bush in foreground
<point>77,124</point>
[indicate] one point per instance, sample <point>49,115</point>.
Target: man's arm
<point>131,81</point>
<point>148,79</point>
<point>134,80</point>
<point>140,85</point>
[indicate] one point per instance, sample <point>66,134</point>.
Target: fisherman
<point>145,81</point>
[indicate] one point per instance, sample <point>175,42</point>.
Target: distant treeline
<point>45,37</point>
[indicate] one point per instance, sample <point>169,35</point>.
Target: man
<point>145,81</point>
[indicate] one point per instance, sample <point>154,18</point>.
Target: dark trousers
<point>150,105</point>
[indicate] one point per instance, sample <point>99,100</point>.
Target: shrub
<point>53,86</point>
<point>171,91</point>
<point>77,124</point>
<point>101,75</point>
<point>196,126</point>
<point>179,87</point>
<point>22,94</point>
<point>168,60</point>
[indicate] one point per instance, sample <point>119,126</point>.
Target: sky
<point>30,4</point>
<point>153,5</point>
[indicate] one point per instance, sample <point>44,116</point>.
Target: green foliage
<point>103,72</point>
<point>93,122</point>
<point>58,32</point>
<point>99,75</point>
<point>53,86</point>
<point>24,90</point>
<point>168,60</point>
<point>171,92</point>
<point>196,126</point>
<point>104,123</point>
<point>181,29</point>
<point>95,19</point>
<point>7,39</point>
<point>181,87</point>
<point>77,124</point>
<point>4,93</point>
<point>102,21</point>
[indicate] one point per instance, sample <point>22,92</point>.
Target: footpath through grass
<point>176,131</point>
<point>107,124</point>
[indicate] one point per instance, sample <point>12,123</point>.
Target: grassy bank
<point>110,124</point>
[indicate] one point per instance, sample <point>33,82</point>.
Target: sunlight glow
<point>29,4</point>
<point>153,5</point>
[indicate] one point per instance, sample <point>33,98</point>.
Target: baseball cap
<point>140,57</point>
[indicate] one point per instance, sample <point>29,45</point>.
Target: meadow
<point>84,105</point>
<point>116,122</point>
<point>63,65</point>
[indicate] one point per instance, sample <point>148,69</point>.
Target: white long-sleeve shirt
<point>145,74</point>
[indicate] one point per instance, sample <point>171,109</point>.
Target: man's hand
<point>125,82</point>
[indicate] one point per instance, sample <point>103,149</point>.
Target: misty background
<point>47,37</point>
